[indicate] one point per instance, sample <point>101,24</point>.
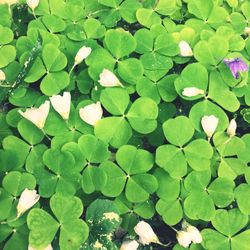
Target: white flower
<point>129,245</point>
<point>184,238</point>
<point>195,234</point>
<point>33,3</point>
<point>209,124</point>
<point>231,129</point>
<point>61,104</point>
<point>2,75</point>
<point>146,233</point>
<point>37,116</point>
<point>82,54</point>
<point>185,49</point>
<point>192,91</point>
<point>27,200</point>
<point>108,79</point>
<point>247,30</point>
<point>49,247</point>
<point>92,113</point>
<point>10,2</point>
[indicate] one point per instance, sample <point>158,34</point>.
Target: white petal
<point>82,54</point>
<point>108,79</point>
<point>195,234</point>
<point>33,3</point>
<point>61,104</point>
<point>231,129</point>
<point>209,124</point>
<point>49,247</point>
<point>92,113</point>
<point>37,116</point>
<point>146,233</point>
<point>184,238</point>
<point>10,2</point>
<point>2,75</point>
<point>185,49</point>
<point>129,245</point>
<point>192,91</point>
<point>27,200</point>
<point>247,30</point>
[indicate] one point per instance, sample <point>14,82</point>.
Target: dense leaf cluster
<point>148,157</point>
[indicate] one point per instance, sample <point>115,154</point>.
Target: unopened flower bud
<point>209,124</point>
<point>231,129</point>
<point>82,54</point>
<point>2,75</point>
<point>185,49</point>
<point>195,234</point>
<point>184,238</point>
<point>33,3</point>
<point>192,91</point>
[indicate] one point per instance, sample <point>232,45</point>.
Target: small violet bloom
<point>236,65</point>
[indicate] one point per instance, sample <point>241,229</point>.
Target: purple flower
<point>236,65</point>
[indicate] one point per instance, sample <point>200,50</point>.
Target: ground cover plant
<point>124,124</point>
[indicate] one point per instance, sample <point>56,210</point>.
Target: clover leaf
<point>114,105</point>
<point>178,131</point>
<point>114,42</point>
<point>194,75</point>
<point>103,219</point>
<point>116,130</point>
<point>147,17</point>
<point>18,147</point>
<point>132,173</point>
<point>204,108</point>
<point>17,239</point>
<point>206,196</point>
<point>130,70</point>
<point>63,176</point>
<point>52,64</point>
<point>197,153</point>
<point>142,115</point>
<point>163,89</point>
<point>7,52</point>
<point>145,209</point>
<point>15,182</point>
<point>30,132</point>
<point>115,10</point>
<point>207,52</point>
<point>228,224</point>
<point>43,226</point>
<point>169,205</point>
<point>155,53</point>
<point>113,130</point>
<point>241,195</point>
<point>34,161</point>
<point>210,13</point>
<point>13,185</point>
<point>219,92</point>
<point>244,155</point>
<point>94,151</point>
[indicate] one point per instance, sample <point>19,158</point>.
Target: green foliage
<point>67,211</point>
<point>103,219</point>
<point>149,152</point>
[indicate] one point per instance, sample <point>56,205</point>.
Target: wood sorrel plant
<point>124,124</point>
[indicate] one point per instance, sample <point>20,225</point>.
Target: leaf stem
<point>173,228</point>
<point>33,12</point>
<point>5,85</point>
<point>6,222</point>
<point>46,135</point>
<point>72,68</point>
